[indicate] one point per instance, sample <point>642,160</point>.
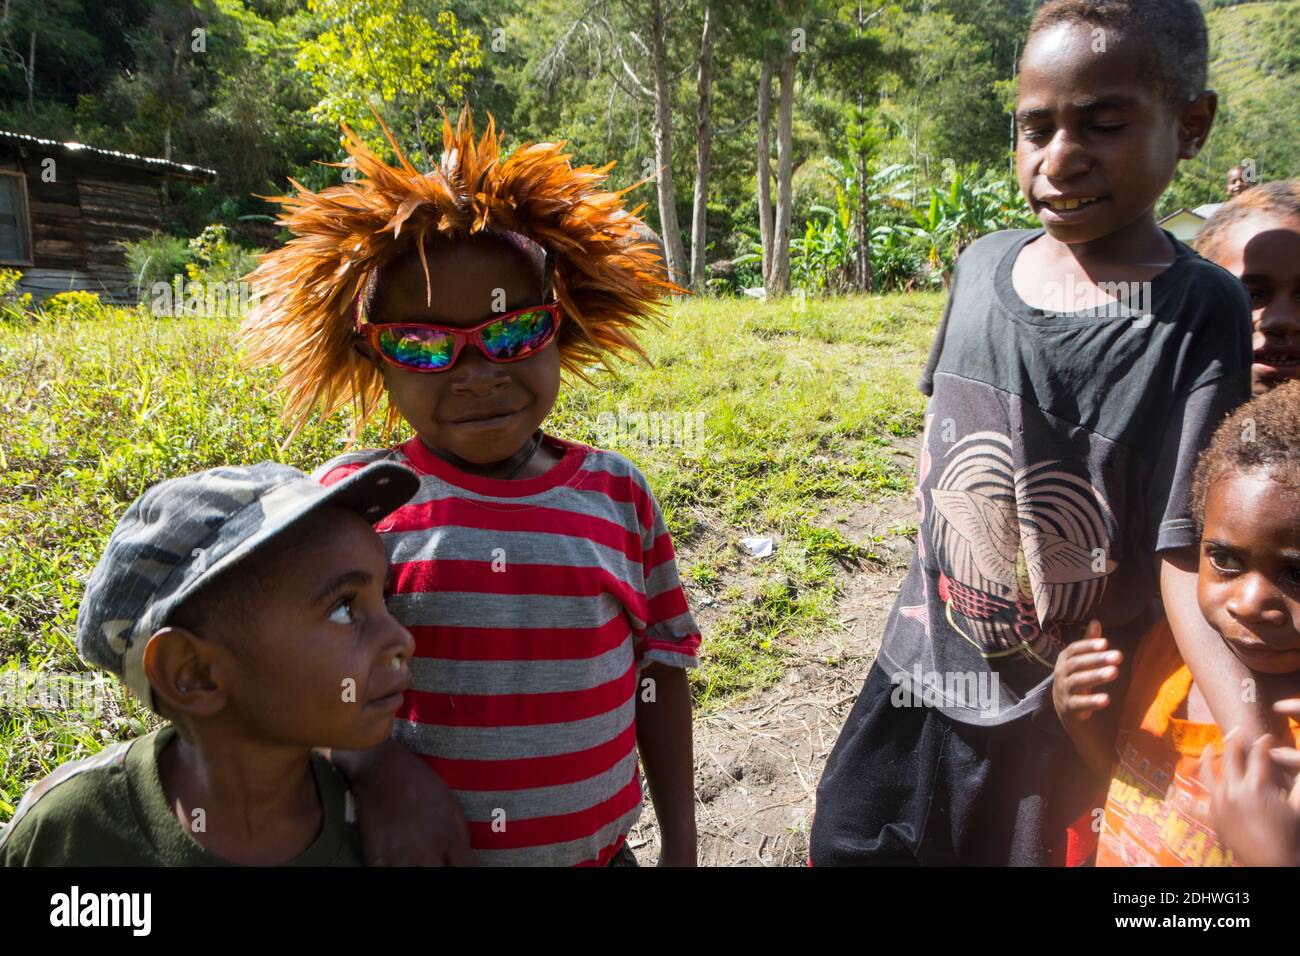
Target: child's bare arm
<point>663,736</point>
<point>407,815</point>
<point>1217,671</point>
<point>1081,668</point>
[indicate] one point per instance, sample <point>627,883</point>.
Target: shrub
<point>155,259</point>
<point>177,276</point>
<point>78,306</point>
<point>218,263</point>
<point>15,306</point>
<point>214,258</point>
<point>823,259</point>
<point>894,261</point>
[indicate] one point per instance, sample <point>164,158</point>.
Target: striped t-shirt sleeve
<point>670,635</point>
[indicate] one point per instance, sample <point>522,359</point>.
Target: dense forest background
<point>819,144</point>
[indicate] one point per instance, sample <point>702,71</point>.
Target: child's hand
<point>1253,816</point>
<point>1289,707</point>
<point>407,815</point>
<point>1080,667</point>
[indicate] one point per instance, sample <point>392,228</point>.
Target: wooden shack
<point>64,207</point>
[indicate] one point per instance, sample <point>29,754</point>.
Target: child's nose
<point>398,641</point>
<point>1064,157</point>
<point>474,373</point>
<point>1255,600</point>
<point>1281,315</point>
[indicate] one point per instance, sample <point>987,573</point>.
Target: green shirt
<point>110,810</point>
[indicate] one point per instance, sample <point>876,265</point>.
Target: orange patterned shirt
<point>1157,813</point>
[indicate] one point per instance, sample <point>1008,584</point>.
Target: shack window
<point>14,228</point>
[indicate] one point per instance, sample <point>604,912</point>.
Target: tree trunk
<point>31,70</point>
<point>703,136</point>
<point>167,155</point>
<point>663,131</point>
<point>173,85</point>
<point>864,279</point>
<point>765,167</point>
<point>780,284</point>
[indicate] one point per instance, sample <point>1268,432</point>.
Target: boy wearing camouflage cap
<point>247,606</point>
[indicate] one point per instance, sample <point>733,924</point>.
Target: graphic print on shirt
<point>1022,553</point>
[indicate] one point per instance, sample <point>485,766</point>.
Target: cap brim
<point>374,492</point>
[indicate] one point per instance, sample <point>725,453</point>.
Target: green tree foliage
<point>404,58</point>
<point>912,90</point>
<point>1253,52</point>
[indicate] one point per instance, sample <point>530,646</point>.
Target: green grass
<point>1256,116</point>
<point>798,403</point>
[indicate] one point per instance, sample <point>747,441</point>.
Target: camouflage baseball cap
<point>184,532</point>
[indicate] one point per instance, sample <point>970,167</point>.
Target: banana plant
<point>822,260</point>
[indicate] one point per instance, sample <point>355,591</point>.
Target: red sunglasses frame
<point>462,337</point>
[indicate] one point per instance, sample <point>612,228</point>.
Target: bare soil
<point>757,763</point>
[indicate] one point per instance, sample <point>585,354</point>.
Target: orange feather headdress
<point>607,276</point>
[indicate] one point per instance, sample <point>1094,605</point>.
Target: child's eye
<point>342,613</point>
<point>1222,561</point>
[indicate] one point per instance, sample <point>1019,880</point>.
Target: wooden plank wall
<point>78,219</point>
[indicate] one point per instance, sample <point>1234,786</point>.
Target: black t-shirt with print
<point>1057,460</point>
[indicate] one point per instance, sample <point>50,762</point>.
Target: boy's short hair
<point>1261,436</point>
<point>224,604</point>
<point>1279,198</point>
<point>607,277</point>
<point>1174,29</point>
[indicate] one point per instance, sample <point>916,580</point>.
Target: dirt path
<point>757,765</point>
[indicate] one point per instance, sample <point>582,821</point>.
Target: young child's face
<point>1249,582</point>
<point>1096,145</point>
<point>478,411</point>
<point>1264,253</point>
<point>1237,182</point>
<point>323,663</point>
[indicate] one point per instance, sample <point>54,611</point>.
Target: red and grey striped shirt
<point>532,602</point>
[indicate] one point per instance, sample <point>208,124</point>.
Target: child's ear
<point>185,672</point>
<point>1195,122</point>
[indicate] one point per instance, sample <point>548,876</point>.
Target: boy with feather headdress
<point>536,574</point>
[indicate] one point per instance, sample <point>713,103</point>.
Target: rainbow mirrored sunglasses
<point>421,347</point>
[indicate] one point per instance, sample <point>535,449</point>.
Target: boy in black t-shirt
<point>1078,370</point>
<point>247,606</point>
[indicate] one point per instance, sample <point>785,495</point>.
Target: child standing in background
<point>1078,370</point>
<point>1256,237</point>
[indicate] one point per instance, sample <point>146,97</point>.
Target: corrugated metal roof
<point>184,170</point>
